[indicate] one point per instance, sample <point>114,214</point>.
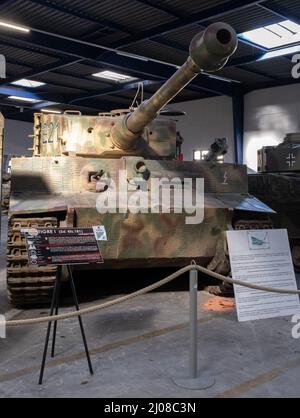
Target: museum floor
<point>139,347</point>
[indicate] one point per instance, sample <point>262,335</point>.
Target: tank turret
<point>209,51</point>
<point>141,132</point>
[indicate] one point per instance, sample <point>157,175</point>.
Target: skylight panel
<point>274,36</point>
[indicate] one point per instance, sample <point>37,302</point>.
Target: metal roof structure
<point>69,40</point>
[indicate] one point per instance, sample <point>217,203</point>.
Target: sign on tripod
<point>62,246</point>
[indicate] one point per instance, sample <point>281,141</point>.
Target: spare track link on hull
<point>27,285</point>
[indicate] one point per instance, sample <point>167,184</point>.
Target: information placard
<point>62,246</point>
<point>262,257</point>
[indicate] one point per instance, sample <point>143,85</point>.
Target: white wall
<point>16,139</point>
<point>269,115</point>
<point>206,120</point>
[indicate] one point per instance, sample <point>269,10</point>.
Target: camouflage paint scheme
<point>75,157</point>
<point>62,184</point>
<point>90,136</point>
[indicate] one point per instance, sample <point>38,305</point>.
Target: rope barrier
<point>122,299</point>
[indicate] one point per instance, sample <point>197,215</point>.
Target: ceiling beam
<point>13,91</point>
<point>162,8</point>
<point>73,11</point>
<point>6,3</point>
<point>258,72</point>
<point>209,13</point>
<point>92,52</point>
<point>116,27</point>
<point>281,12</point>
<point>118,89</point>
<point>34,72</point>
<point>271,84</point>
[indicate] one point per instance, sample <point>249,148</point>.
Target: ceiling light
<point>16,27</point>
<point>129,55</point>
<point>51,111</point>
<point>274,36</point>
<point>217,77</point>
<point>28,83</point>
<point>111,75</point>
<point>24,99</point>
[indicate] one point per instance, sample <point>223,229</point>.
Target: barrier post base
<point>197,383</point>
<point>194,381</point>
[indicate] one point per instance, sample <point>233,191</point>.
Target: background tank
<point>278,184</point>
<point>75,158</point>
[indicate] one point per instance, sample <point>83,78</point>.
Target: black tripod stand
<point>54,307</point>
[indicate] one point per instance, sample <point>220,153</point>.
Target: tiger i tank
<point>77,158</point>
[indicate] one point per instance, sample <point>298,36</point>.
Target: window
<point>199,155</point>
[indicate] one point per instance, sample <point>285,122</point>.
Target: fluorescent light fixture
<point>51,111</point>
<point>15,27</point>
<point>23,99</point>
<point>129,55</point>
<point>217,77</point>
<point>111,75</point>
<point>280,52</point>
<point>274,36</point>
<point>28,83</point>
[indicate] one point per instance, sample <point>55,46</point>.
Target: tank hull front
<point>60,191</point>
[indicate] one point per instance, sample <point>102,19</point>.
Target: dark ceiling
<point>68,39</point>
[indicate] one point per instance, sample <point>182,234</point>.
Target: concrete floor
<point>138,348</point>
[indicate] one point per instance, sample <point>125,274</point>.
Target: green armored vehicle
<point>77,160</point>
<point>278,184</point>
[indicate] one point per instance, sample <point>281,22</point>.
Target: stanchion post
<point>194,381</point>
<point>193,324</point>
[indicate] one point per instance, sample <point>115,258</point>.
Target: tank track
<point>27,285</point>
<point>253,224</point>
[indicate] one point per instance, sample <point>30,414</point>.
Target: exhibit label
<point>62,246</point>
<point>262,257</point>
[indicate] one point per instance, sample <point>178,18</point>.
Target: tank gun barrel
<point>209,51</point>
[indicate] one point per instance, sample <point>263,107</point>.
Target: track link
<point>27,285</point>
